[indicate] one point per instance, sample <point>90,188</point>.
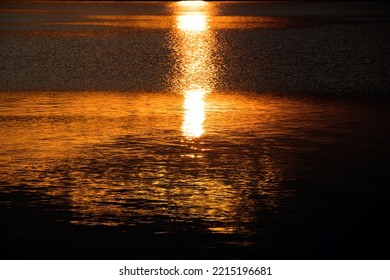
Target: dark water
<point>203,130</point>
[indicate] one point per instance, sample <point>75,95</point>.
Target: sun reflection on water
<point>192,22</point>
<point>193,47</point>
<point>194,113</point>
<point>192,3</point>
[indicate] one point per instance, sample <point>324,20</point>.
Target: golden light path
<point>192,22</point>
<point>194,57</point>
<point>195,80</point>
<point>192,3</point>
<point>194,113</point>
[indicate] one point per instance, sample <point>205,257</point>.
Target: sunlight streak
<point>194,113</point>
<point>194,43</point>
<point>192,3</point>
<point>192,22</point>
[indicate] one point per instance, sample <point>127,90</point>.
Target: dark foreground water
<point>194,130</point>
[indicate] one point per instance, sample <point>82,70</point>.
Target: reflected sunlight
<point>192,22</point>
<point>194,44</point>
<point>194,113</point>
<point>192,3</point>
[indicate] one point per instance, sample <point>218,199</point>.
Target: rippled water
<point>178,118</point>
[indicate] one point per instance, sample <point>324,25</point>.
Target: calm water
<point>195,130</point>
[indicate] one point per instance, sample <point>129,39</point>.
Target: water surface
<point>202,130</point>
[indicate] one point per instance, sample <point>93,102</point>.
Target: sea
<point>194,130</point>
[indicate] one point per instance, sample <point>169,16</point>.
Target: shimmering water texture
<point>193,129</point>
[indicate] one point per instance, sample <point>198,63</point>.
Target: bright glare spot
<point>191,3</point>
<point>194,113</point>
<point>193,22</point>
